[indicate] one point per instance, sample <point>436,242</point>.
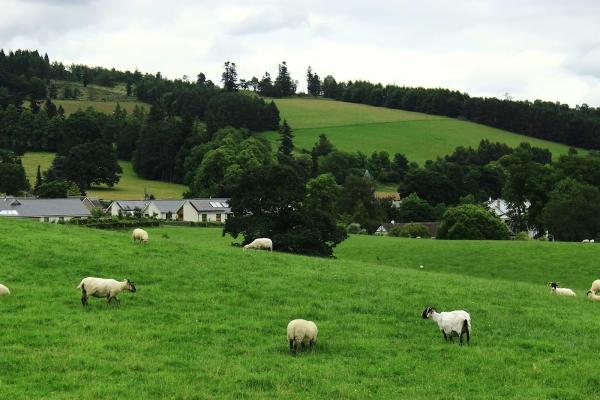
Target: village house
<point>165,209</point>
<point>127,207</point>
<point>44,210</point>
<point>206,210</point>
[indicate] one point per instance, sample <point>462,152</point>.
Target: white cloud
<point>530,48</point>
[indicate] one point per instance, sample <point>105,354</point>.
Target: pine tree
<point>287,144</point>
<point>229,77</point>
<point>38,179</point>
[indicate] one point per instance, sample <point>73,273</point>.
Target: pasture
<point>209,321</point>
<point>356,127</point>
<point>107,107</point>
<point>130,187</point>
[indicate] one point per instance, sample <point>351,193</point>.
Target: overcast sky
<point>529,49</point>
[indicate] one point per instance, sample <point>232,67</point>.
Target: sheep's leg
<point>291,342</point>
<point>312,344</point>
<point>296,346</point>
<point>461,339</point>
<point>445,336</point>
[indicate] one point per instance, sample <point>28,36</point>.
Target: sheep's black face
<point>426,312</point>
<point>553,285</point>
<point>131,286</point>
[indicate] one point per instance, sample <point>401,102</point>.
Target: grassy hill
<point>354,127</point>
<point>208,320</point>
<point>130,187</point>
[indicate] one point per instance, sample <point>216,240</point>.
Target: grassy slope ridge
<point>130,187</point>
<point>208,321</point>
<point>353,127</point>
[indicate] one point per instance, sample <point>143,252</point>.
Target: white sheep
<point>4,290</point>
<point>592,296</point>
<point>100,287</point>
<point>140,235</point>
<point>595,286</point>
<point>300,331</point>
<point>260,244</point>
<point>561,291</point>
<point>591,240</point>
<point>451,323</point>
<point>585,241</point>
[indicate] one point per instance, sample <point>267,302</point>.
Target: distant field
<point>70,106</point>
<point>208,321</point>
<point>356,127</point>
<point>130,186</point>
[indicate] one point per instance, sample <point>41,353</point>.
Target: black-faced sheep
<point>260,244</point>
<point>299,332</point>
<point>100,287</point>
<point>139,235</point>
<point>592,296</point>
<point>451,323</point>
<point>561,291</point>
<point>595,286</point>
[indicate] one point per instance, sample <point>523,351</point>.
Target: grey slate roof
<point>131,205</point>
<point>30,208</point>
<point>166,206</point>
<point>211,205</point>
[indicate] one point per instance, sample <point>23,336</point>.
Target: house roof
<point>500,207</point>
<point>165,206</point>
<point>211,205</point>
<point>394,196</point>
<point>28,208</point>
<point>131,205</point>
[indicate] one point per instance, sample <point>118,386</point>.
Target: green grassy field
<point>107,107</point>
<point>130,187</point>
<point>357,127</point>
<point>208,320</point>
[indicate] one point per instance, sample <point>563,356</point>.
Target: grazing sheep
<point>452,323</point>
<point>591,240</point>
<point>595,286</point>
<point>100,287</point>
<point>4,290</point>
<point>300,331</point>
<point>260,244</point>
<point>561,291</point>
<point>592,296</point>
<point>140,235</point>
<point>585,241</point>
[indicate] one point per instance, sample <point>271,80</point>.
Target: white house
<point>502,210</point>
<point>127,207</point>
<point>44,210</point>
<point>206,210</point>
<point>165,209</point>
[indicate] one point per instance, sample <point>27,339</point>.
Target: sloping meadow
<point>209,321</point>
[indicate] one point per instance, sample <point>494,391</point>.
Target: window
<point>203,217</point>
<point>218,217</point>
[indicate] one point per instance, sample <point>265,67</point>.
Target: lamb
<point>561,291</point>
<point>592,296</point>
<point>260,244</point>
<point>452,323</point>
<point>300,331</point>
<point>585,241</point>
<point>4,290</point>
<point>100,287</point>
<point>595,286</point>
<point>140,235</point>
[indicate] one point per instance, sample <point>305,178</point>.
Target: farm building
<point>165,209</point>
<point>394,197</point>
<point>206,210</point>
<point>385,228</point>
<point>127,207</point>
<point>45,210</point>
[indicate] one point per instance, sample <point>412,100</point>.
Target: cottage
<point>165,209</point>
<point>394,197</point>
<point>206,210</point>
<point>44,210</point>
<point>127,207</point>
<point>502,209</point>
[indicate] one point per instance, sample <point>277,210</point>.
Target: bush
<point>411,230</point>
<point>521,236</point>
<point>353,228</point>
<point>471,222</point>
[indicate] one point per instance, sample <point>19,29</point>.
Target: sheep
<point>140,235</point>
<point>595,286</point>
<point>585,241</point>
<point>100,287</point>
<point>300,331</point>
<point>452,323</point>
<point>260,244</point>
<point>591,240</point>
<point>561,291</point>
<point>592,296</point>
<point>4,290</point>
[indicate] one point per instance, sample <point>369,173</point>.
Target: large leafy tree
<point>572,212</point>
<point>471,222</point>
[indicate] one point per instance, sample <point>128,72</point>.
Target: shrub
<point>521,236</point>
<point>353,228</point>
<point>471,222</point>
<point>411,230</point>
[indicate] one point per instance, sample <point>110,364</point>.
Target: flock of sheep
<point>299,331</point>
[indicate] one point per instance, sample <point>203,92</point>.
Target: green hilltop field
<point>358,127</point>
<point>209,321</point>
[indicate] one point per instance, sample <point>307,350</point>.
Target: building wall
<point>152,211</point>
<point>114,209</point>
